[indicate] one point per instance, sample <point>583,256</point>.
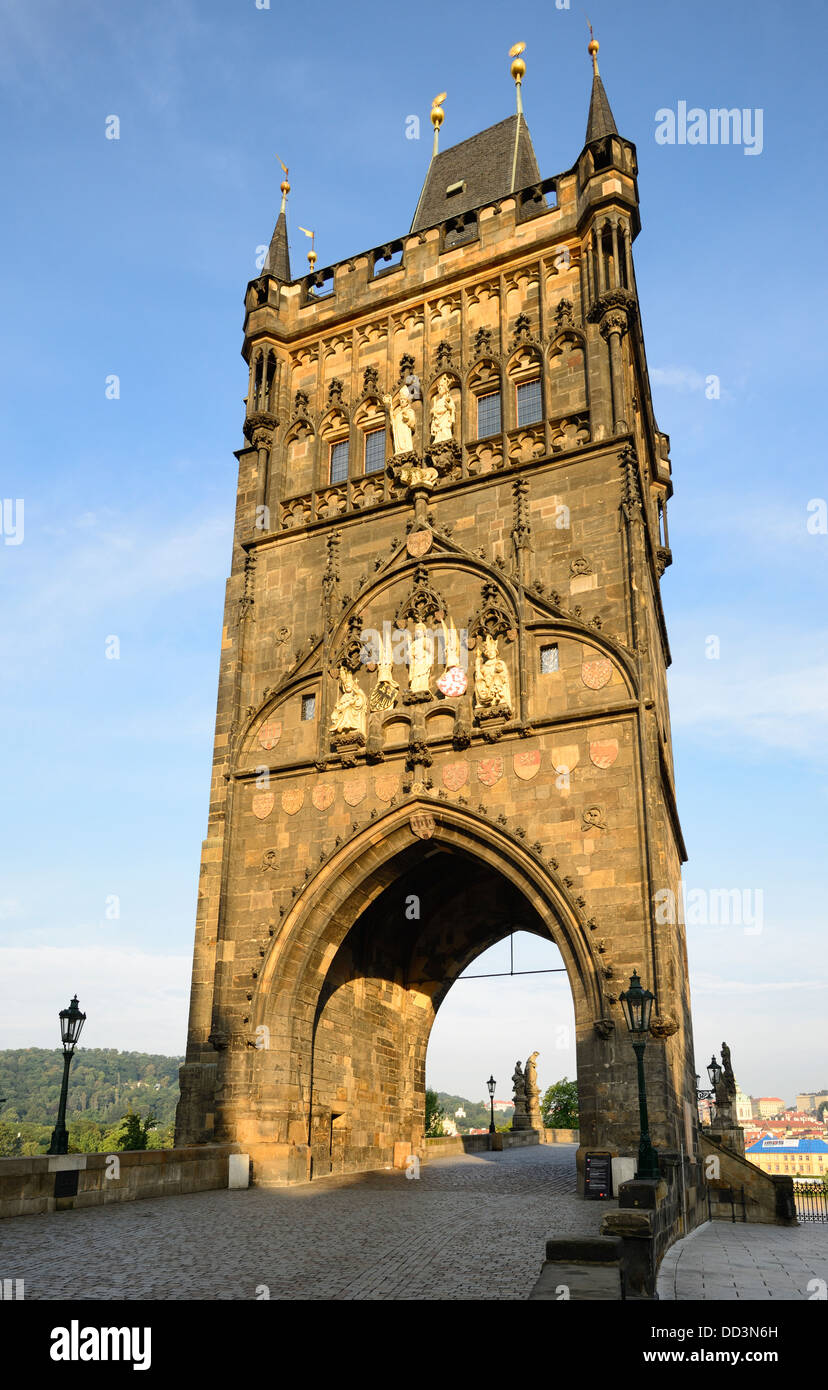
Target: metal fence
<point>811,1200</point>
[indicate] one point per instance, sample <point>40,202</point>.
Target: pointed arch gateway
<point>353,983</point>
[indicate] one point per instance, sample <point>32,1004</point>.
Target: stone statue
<point>520,1119</point>
<point>403,421</point>
<point>386,692</point>
<point>442,413</point>
<point>350,713</point>
<point>420,660</point>
<point>492,688</point>
<point>530,1076</point>
<point>727,1069</point>
<point>453,682</point>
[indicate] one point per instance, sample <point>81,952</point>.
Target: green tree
<point>434,1116</point>
<point>559,1106</point>
<point>131,1133</point>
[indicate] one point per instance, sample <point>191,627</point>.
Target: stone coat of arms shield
<point>596,674</point>
<point>455,776</point>
<point>527,763</point>
<point>270,732</point>
<point>262,804</point>
<point>489,771</point>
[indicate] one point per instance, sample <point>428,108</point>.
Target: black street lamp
<point>714,1071</point>
<point>638,1004</point>
<point>71,1022</point>
<point>491,1083</point>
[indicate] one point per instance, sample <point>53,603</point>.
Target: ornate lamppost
<point>71,1022</point>
<point>714,1071</point>
<point>491,1083</point>
<point>638,1004</point>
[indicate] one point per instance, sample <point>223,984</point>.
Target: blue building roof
<point>788,1146</point>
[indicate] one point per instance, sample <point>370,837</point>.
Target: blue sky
<point>130,257</point>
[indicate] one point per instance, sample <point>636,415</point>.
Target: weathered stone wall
<point>27,1185</point>
<point>738,1188</point>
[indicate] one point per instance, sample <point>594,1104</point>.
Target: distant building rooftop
<point>791,1146</point>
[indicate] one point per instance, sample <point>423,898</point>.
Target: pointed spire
<point>601,121</point>
<point>277,263</point>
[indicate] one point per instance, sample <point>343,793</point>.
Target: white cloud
<point>773,693</point>
<point>684,379</point>
<point>134,1001</point>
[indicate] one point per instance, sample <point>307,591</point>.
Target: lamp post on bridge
<point>638,1005</point>
<point>71,1023</point>
<point>491,1083</point>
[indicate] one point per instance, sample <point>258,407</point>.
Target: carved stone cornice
<point>257,421</point>
<point>621,300</point>
<point>613,322</point>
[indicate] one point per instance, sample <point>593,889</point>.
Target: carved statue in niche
<point>386,692</point>
<point>443,413</point>
<point>453,682</point>
<point>420,660</point>
<point>492,687</point>
<point>403,420</point>
<point>350,713</point>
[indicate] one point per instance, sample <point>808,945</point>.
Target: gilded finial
<point>518,70</point>
<point>284,186</point>
<point>437,117</point>
<point>312,256</point>
<point>592,49</point>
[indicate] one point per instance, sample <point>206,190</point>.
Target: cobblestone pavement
<point>472,1227</point>
<point>723,1260</point>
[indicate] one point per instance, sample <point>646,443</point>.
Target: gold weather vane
<point>284,185</point>
<point>312,258</point>
<point>518,69</point>
<point>437,117</point>
<point>592,49</point>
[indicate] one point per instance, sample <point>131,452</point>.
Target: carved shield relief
<point>322,797</point>
<point>603,752</point>
<point>455,776</point>
<point>386,787</point>
<point>293,799</point>
<point>262,804</point>
<point>596,674</point>
<point>527,764</point>
<point>489,771</point>
<point>270,732</point>
<point>354,792</point>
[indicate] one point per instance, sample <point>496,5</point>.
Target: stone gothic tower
<point>442,710</point>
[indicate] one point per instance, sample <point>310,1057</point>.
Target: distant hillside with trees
<point>105,1086</point>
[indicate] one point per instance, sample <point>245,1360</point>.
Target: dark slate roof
<point>601,121</point>
<point>484,164</point>
<point>278,258</point>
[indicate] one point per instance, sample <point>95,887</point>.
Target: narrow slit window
<point>308,706</point>
<point>549,659</point>
<point>488,415</point>
<point>375,451</point>
<point>339,461</point>
<point>529,406</point>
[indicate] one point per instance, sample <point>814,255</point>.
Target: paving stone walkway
<point>471,1227</point>
<point>726,1260</point>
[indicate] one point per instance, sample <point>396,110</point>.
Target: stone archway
<point>364,959</point>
